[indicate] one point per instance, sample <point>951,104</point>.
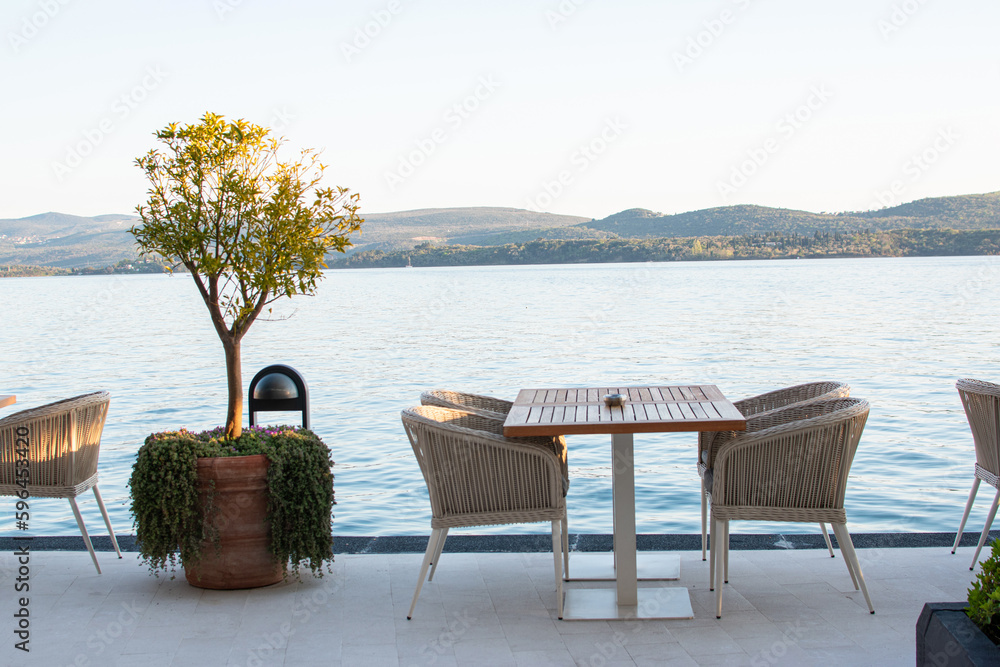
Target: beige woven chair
<point>790,465</point>
<point>756,405</point>
<point>488,406</point>
<point>64,441</point>
<point>476,403</point>
<point>982,408</point>
<point>477,477</point>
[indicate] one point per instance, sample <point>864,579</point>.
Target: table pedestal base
<point>599,604</point>
<point>601,567</point>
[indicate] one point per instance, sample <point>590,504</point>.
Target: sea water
<point>899,331</point>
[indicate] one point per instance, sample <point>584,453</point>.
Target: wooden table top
<point>648,409</point>
<point>7,400</point>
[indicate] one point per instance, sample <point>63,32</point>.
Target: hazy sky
<point>583,107</point>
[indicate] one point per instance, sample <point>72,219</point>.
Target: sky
<point>577,107</point>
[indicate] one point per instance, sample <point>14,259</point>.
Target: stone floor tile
<point>544,658</point>
<point>706,641</point>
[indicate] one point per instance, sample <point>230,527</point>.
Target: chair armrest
<point>768,410</point>
<point>797,462</point>
<point>477,403</point>
<point>474,470</point>
<point>494,425</point>
<point>789,396</point>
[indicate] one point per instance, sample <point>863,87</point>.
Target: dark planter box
<point>946,637</point>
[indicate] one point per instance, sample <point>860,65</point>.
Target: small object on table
<point>615,400</point>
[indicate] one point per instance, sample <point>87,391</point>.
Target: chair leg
<point>725,551</point>
<point>565,545</point>
<point>557,541</point>
<point>847,549</point>
<point>712,559</point>
<point>436,558</point>
<point>720,530</point>
<point>850,568</point>
<point>704,519</point>
<point>965,517</point>
<point>826,536</point>
<point>83,531</point>
<point>107,521</point>
<point>432,545</point>
<point>986,529</point>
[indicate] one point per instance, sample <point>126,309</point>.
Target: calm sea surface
<point>899,331</point>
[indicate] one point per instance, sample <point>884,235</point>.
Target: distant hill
<point>723,221</point>
<point>481,225</point>
<point>67,241</point>
<point>56,225</point>
<point>969,211</point>
<point>964,212</point>
<point>70,241</point>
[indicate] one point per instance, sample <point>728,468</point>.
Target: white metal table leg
<point>623,492</point>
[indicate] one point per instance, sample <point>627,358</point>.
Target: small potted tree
<point>251,229</point>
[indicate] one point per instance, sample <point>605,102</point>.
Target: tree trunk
<point>234,376</point>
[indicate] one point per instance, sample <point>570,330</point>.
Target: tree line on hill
<point>139,265</point>
<point>766,245</point>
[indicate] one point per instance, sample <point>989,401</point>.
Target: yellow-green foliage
<point>250,227</point>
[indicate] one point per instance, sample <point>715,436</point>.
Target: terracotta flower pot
<point>244,560</point>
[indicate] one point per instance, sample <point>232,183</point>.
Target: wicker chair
<point>982,408</point>
<point>63,441</point>
<point>495,408</point>
<point>477,477</point>
<point>475,403</point>
<point>756,405</point>
<point>791,465</point>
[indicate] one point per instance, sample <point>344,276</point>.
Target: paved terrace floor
<point>781,607</point>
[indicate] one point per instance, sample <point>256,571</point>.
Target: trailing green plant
<point>984,596</point>
<point>169,514</point>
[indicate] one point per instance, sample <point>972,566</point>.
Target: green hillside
<point>965,212</point>
<point>69,241</point>
<point>771,245</point>
<point>481,225</point>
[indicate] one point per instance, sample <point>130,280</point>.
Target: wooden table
<point>647,410</point>
<point>7,400</point>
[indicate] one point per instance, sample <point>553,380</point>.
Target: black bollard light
<point>279,388</point>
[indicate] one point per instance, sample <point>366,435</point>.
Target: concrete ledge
<point>520,543</point>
